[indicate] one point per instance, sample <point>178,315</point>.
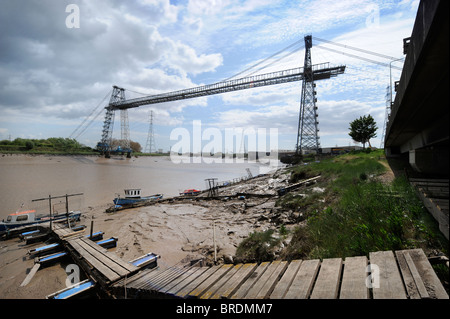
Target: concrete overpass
<point>418,127</point>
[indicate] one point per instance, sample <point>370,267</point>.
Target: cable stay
<point>266,59</point>
<point>87,117</point>
<point>359,57</point>
<point>356,49</point>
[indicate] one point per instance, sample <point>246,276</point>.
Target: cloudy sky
<point>53,78</point>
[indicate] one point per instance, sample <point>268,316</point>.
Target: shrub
<point>258,247</point>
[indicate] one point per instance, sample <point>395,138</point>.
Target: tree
<point>363,129</point>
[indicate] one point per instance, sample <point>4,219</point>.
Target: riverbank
<point>307,222</point>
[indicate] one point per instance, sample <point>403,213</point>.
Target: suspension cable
<point>356,49</point>
<point>87,117</point>
<point>359,57</point>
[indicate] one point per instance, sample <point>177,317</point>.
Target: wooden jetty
<point>400,275</point>
<point>101,265</point>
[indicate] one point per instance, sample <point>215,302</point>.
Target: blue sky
<point>53,77</point>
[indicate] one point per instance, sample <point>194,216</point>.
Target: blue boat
<point>73,291</point>
<point>133,195</point>
<point>29,217</point>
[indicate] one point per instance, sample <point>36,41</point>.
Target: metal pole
<point>390,75</point>
<point>67,211</point>
<point>50,206</point>
<point>92,228</point>
<point>214,240</point>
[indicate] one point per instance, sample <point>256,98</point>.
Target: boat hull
<point>4,226</point>
<point>128,201</point>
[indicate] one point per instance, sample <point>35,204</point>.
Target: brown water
<point>24,178</point>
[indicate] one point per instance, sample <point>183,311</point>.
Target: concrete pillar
<point>432,160</point>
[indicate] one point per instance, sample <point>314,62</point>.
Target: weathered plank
<point>303,281</point>
<point>186,280</point>
<point>102,257</point>
<point>285,282</point>
<point>384,266</point>
<point>198,292</point>
<point>102,268</point>
<point>30,275</point>
<point>179,279</point>
<point>235,283</point>
<point>354,279</point>
<point>164,278</point>
<point>208,271</point>
<point>420,279</point>
<point>273,279</point>
<point>259,289</point>
<point>327,282</point>
<point>251,281</point>
<point>111,256</point>
<point>214,292</point>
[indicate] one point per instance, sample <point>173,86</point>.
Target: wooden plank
<point>254,291</point>
<point>327,282</point>
<point>197,292</point>
<point>30,275</point>
<point>207,272</point>
<point>354,279</point>
<point>420,279</point>
<point>103,258</point>
<point>166,277</point>
<point>408,279</point>
<point>179,279</point>
<point>251,280</point>
<point>186,280</point>
<point>303,281</point>
<point>238,279</point>
<point>285,282</point>
<point>390,281</point>
<point>102,268</point>
<point>113,257</point>
<point>214,292</point>
<point>269,285</point>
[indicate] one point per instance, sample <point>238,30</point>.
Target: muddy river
<point>24,178</point>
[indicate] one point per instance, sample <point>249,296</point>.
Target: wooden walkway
<point>102,266</point>
<point>405,274</point>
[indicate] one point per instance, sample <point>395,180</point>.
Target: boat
<point>133,195</point>
<point>190,192</point>
<point>29,217</point>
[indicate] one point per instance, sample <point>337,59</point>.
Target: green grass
<point>357,213</point>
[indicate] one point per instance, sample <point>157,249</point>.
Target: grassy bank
<point>351,211</point>
<point>51,146</point>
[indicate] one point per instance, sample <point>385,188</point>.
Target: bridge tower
<point>117,95</point>
<point>308,137</point>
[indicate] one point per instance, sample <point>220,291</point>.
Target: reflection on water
<point>24,178</point>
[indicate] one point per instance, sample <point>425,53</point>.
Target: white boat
<point>29,217</point>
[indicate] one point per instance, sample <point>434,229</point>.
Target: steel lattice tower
<point>117,95</point>
<point>307,137</point>
<point>150,137</point>
<point>124,130</point>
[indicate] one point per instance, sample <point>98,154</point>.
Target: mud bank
<point>179,231</point>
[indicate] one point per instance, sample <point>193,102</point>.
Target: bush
<point>29,145</point>
<point>258,247</point>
